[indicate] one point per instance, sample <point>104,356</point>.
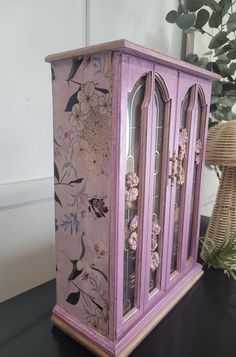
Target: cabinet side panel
<point>82,147</point>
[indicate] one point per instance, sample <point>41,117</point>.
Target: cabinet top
<point>136,50</point>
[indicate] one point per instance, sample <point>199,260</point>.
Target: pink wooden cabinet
<point>129,138</point>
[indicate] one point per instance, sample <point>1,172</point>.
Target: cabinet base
<point>121,348</point>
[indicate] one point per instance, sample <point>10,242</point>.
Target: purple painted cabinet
<point>129,137</point>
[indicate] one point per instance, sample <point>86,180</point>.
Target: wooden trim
<point>136,50</point>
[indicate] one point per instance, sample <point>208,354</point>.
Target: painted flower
<point>132,179</point>
<point>156,229</point>
<point>134,223</point>
<point>87,98</point>
<point>80,149</point>
<point>154,243</point>
<point>183,137</point>
<point>100,250</point>
<point>98,206</point>
<point>133,241</point>
<point>93,162</point>
<point>104,104</point>
<point>154,261</point>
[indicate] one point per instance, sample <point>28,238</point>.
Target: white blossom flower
<point>87,98</point>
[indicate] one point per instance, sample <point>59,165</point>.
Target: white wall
<point>135,20</point>
<point>29,30</point>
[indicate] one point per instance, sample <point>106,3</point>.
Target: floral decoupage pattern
<point>82,134</point>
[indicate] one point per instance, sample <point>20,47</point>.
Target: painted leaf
<point>56,172</point>
<point>71,102</point>
<point>52,74</point>
<point>103,90</point>
<point>218,40</point>
<point>76,62</point>
<point>83,246</point>
<point>56,142</point>
<point>57,199</point>
<point>75,272</point>
<point>202,18</point>
<point>76,181</point>
<point>185,21</point>
<point>73,298</point>
<point>194,5</point>
<point>172,16</point>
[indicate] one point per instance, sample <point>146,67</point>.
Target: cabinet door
<point>134,164</point>
<point>197,160</point>
<point>162,135</point>
<point>181,174</point>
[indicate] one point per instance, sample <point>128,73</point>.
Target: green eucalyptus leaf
<point>213,67</point>
<point>231,54</point>
<point>203,62</point>
<point>184,22</point>
<point>223,59</point>
<point>225,6</point>
<point>224,70</point>
<point>233,68</point>
<point>233,44</point>
<point>217,87</point>
<point>218,40</point>
<point>202,18</point>
<point>229,86</point>
<point>194,5</point>
<point>231,23</point>
<point>215,20</point>
<point>181,9</point>
<point>214,99</point>
<point>192,58</point>
<point>221,50</point>
<point>208,53</point>
<point>213,5</point>
<point>172,16</point>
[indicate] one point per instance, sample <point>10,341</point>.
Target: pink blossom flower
<point>154,261</point>
<point>156,229</point>
<point>133,241</point>
<point>130,195</point>
<point>132,179</point>
<point>134,223</point>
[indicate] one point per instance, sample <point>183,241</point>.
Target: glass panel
<point>154,281</point>
<point>194,182</point>
<point>179,186</point>
<point>135,100</point>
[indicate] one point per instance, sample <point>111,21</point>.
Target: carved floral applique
<point>156,229</point>
<point>198,151</point>
<point>131,193</point>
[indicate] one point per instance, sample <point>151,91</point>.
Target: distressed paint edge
<point>128,343</point>
<point>137,50</point>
